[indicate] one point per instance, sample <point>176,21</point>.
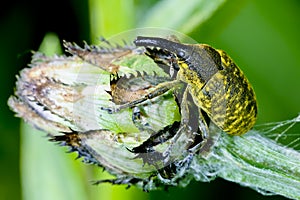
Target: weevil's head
<point>200,59</point>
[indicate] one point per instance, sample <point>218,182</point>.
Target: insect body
<point>216,84</point>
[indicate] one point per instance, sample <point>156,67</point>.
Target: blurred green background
<point>261,36</point>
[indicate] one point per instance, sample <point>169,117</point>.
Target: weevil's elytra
<point>216,84</point>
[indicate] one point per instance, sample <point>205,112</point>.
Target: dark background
<point>23,25</point>
<point>262,37</point>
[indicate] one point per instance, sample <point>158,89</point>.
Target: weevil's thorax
<point>189,76</point>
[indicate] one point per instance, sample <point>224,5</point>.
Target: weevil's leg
<point>159,90</point>
<point>146,149</point>
<point>187,132</point>
<point>187,136</point>
<point>203,132</point>
<point>157,138</point>
<point>203,124</point>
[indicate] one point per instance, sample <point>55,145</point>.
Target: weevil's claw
<point>110,110</point>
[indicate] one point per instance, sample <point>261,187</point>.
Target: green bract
<point>63,96</point>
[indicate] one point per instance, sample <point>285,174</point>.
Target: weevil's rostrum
<point>216,84</point>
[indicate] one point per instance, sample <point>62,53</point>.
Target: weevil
<point>214,85</point>
<point>215,82</point>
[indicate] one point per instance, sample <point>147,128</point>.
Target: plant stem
<point>254,161</point>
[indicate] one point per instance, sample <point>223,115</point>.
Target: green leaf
<point>110,17</point>
<point>47,171</point>
<point>179,15</point>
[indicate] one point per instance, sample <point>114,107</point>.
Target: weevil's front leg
<point>146,151</point>
<point>159,90</point>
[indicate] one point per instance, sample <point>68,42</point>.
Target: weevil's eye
<point>181,54</point>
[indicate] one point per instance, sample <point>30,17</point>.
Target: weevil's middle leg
<point>185,134</point>
<point>203,131</point>
<point>193,132</point>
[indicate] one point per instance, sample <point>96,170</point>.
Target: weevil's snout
<point>181,50</point>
